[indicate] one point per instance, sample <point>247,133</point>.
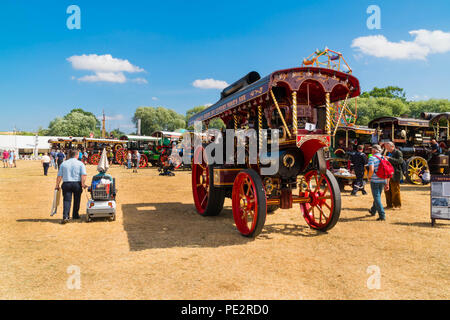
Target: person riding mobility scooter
<point>103,193</point>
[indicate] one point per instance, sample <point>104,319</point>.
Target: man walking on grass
<point>395,157</point>
<point>45,163</point>
<point>60,156</point>
<point>377,184</point>
<point>5,158</point>
<point>359,161</point>
<point>73,175</point>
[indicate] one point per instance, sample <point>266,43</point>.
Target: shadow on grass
<point>175,224</point>
<point>40,220</point>
<point>289,229</point>
<point>424,224</point>
<point>170,225</point>
<point>56,220</point>
<point>411,187</point>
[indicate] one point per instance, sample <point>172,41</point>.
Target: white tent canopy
<point>25,144</point>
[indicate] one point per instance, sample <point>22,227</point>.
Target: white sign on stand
<point>440,198</point>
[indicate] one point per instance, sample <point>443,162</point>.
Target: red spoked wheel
<point>249,203</point>
<point>324,207</point>
<point>121,155</point>
<point>94,159</point>
<point>208,200</point>
<point>143,162</point>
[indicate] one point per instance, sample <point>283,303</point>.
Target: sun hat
<point>377,147</point>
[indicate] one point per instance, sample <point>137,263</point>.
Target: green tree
<point>43,132</point>
<point>431,105</point>
<point>215,123</point>
<point>158,118</point>
<point>87,113</point>
<point>371,108</point>
<point>387,92</point>
<point>75,124</point>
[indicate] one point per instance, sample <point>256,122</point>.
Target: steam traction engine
<point>298,104</point>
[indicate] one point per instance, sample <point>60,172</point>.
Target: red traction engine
<point>297,103</point>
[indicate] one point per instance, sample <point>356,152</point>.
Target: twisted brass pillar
<point>294,113</point>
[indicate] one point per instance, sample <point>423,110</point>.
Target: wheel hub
<point>314,196</point>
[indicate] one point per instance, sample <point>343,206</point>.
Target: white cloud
<point>154,98</point>
<point>105,67</point>
<point>103,63</point>
<point>117,77</point>
<point>139,80</point>
<point>210,84</point>
<point>425,42</point>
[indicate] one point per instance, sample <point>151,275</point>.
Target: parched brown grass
<point>159,248</point>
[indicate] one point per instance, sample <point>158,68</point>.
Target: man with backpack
<point>380,172</point>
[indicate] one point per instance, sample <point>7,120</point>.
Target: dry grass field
<point>159,248</point>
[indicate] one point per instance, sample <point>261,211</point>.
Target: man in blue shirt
<point>73,175</point>
<point>60,156</point>
<point>377,184</point>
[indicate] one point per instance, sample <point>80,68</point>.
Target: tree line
<point>388,101</point>
<point>391,101</point>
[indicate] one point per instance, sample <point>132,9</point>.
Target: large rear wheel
<point>120,156</point>
<point>414,167</point>
<point>143,162</point>
<point>324,207</point>
<point>94,159</point>
<point>249,203</point>
<point>208,200</point>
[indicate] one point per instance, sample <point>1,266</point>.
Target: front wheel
<point>143,162</point>
<point>249,203</point>
<point>323,209</point>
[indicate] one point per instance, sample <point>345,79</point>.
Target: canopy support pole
<point>260,142</point>
<point>294,112</point>
<point>279,112</point>
<point>448,129</point>
<point>328,114</point>
<point>346,139</point>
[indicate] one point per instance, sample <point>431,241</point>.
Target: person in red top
<point>5,158</point>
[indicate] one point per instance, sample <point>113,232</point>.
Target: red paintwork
<point>143,162</point>
<point>244,190</point>
<point>120,156</point>
<point>311,146</point>
<point>200,181</point>
<point>94,159</point>
<point>321,200</point>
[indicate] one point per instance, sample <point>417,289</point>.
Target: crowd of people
<point>362,163</point>
<point>9,158</point>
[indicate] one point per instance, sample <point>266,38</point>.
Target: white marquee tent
<point>25,144</point>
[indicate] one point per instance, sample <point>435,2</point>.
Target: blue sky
<point>169,45</point>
